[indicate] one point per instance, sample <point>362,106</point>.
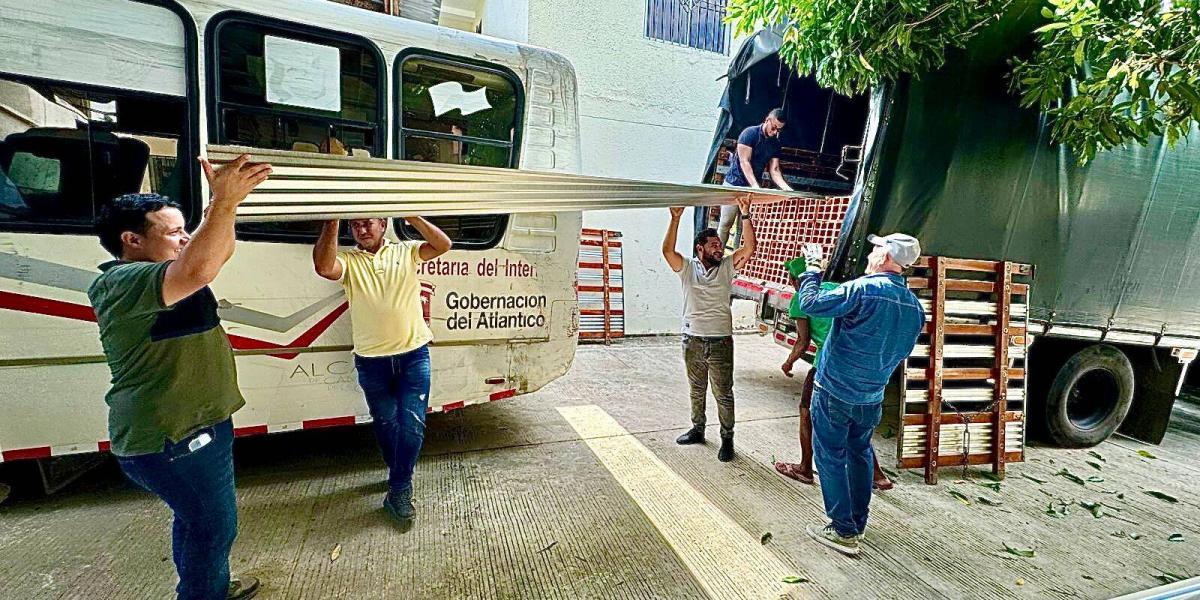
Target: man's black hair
<point>703,237</point>
<point>127,213</point>
<point>778,114</point>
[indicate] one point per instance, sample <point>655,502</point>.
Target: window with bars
<point>695,23</point>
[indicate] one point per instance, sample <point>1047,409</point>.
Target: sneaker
<point>725,454</point>
<point>242,588</point>
<point>694,435</point>
<point>828,536</point>
<point>399,504</point>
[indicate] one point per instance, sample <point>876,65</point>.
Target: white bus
<point>104,97</point>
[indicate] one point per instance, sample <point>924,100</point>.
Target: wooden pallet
<point>962,394</point>
<point>601,286</point>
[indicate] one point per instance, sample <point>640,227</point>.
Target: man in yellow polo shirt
<point>391,351</point>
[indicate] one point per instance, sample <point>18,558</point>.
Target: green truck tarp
<point>956,162</point>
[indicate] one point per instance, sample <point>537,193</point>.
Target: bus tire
<point>1089,397</point>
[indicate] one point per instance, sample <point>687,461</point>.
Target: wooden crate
<point>962,394</point>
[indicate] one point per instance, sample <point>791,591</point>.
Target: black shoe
<point>725,454</point>
<point>399,504</point>
<point>242,588</point>
<point>694,435</point>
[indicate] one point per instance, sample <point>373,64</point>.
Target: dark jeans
<point>197,484</point>
<point>710,359</point>
<point>842,448</point>
<point>397,391</point>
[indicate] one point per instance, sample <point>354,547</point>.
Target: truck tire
<point>1089,397</point>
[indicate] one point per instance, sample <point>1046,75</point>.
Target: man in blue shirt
<point>757,149</point>
<point>876,320</point>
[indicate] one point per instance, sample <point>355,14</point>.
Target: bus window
<point>285,88</point>
<point>65,150</point>
<point>455,112</point>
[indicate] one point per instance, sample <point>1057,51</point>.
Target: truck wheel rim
<point>1092,399</point>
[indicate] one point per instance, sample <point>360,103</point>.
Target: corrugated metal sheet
<point>425,11</point>
<point>305,186</point>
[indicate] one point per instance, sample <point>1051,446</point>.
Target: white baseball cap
<point>903,248</point>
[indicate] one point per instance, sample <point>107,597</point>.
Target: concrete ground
<point>579,491</point>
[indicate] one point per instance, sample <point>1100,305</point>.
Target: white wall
<point>647,110</point>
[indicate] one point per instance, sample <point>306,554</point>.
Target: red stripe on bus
<point>592,265</point>
<point>305,340</point>
<point>26,453</point>
<point>453,406</point>
<point>502,395</point>
<point>68,310</point>
<point>251,430</point>
<point>46,306</point>
<point>104,445</point>
<point>330,422</point>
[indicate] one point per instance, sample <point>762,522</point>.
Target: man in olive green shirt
<point>174,386</point>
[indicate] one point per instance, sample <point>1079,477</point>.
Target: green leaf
<point>961,497</point>
<point>991,485</point>
<point>1046,12</point>
<point>1050,511</point>
<point>1033,479</point>
<point>1096,508</point>
<point>866,65</point>
<point>1146,454</point>
<point>1080,48</point>
<point>1071,476</point>
<point>988,501</point>
<point>766,537</point>
<point>1161,496</point>
<point>1097,456</point>
<point>1095,465</point>
<point>1133,535</point>
<point>1051,27</point>
<point>795,579</point>
<point>1095,479</point>
<point>1175,537</point>
<point>1022,552</point>
<point>990,476</point>
<point>1169,578</point>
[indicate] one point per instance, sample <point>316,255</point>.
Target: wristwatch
<point>744,216</point>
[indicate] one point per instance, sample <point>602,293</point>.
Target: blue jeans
<point>397,392</point>
<point>197,484</point>
<point>845,460</point>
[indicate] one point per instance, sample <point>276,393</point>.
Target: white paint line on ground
<point>725,559</point>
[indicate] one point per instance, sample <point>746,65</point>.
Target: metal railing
<point>697,24</point>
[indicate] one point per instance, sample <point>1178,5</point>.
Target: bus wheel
<point>1089,397</point>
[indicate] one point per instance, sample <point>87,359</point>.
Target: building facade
<point>648,92</point>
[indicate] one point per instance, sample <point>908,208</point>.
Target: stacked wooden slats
<point>963,389</point>
<point>601,286</point>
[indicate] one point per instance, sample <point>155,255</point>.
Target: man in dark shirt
<point>757,149</point>
<point>174,385</point>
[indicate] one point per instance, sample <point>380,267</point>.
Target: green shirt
<point>818,327</point>
<point>172,367</point>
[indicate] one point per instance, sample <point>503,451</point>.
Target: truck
<point>952,158</point>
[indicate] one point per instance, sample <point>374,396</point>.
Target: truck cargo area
<point>823,136</point>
